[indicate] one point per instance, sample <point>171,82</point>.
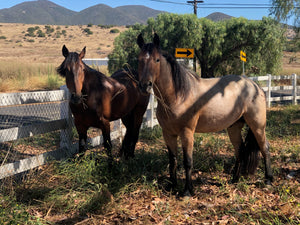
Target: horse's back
<point>125,76</point>
<point>220,102</point>
<point>128,95</point>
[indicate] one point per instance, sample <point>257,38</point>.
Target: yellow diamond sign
<point>243,56</point>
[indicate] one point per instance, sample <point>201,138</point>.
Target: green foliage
<point>280,123</point>
<point>217,44</point>
<point>40,33</point>
<point>125,50</point>
<point>88,31</point>
<point>263,42</point>
<point>151,133</point>
<point>2,37</point>
<point>49,29</point>
<point>114,31</point>
<point>30,32</point>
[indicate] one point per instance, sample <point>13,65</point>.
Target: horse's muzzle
<point>76,99</point>
<point>145,88</point>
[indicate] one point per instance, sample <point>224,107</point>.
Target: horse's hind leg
<point>132,122</point>
<point>257,124</point>
<point>235,135</point>
<point>128,122</point>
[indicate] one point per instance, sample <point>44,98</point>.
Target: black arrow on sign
<point>187,53</point>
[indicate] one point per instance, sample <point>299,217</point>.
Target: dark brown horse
<point>189,104</point>
<point>97,99</point>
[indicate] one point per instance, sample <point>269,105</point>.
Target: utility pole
<point>194,2</point>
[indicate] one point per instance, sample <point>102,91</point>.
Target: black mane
<point>179,75</point>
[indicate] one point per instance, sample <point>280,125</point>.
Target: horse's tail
<point>249,154</point>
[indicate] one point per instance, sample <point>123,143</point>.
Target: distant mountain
<point>217,16</point>
<point>37,12</point>
<point>47,12</point>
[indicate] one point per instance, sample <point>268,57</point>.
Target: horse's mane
<point>179,75</point>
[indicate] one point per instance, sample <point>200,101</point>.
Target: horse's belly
<point>215,122</point>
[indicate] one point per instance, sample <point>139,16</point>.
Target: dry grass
<point>88,191</point>
<point>25,60</point>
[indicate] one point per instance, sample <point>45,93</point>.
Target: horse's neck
<point>93,81</point>
<point>164,88</point>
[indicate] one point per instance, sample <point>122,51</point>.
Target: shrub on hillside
<point>114,31</point>
<point>87,31</point>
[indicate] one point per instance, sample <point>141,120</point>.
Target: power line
<point>170,2</point>
<point>221,5</point>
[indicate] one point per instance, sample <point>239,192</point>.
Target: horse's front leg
<point>82,133</point>
<point>106,137</point>
<point>82,142</point>
<point>187,140</point>
<point>171,141</point>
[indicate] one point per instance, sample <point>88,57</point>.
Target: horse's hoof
<point>187,193</point>
<point>234,180</point>
<point>268,182</point>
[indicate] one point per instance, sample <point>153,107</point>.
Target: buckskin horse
<point>188,104</point>
<point>97,99</point>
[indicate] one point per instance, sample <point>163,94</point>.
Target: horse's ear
<point>82,53</point>
<point>156,40</point>
<point>140,41</point>
<point>65,51</point>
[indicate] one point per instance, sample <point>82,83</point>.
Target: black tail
<point>249,154</point>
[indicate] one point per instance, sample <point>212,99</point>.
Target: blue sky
<point>256,10</point>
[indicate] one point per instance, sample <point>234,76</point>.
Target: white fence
<point>51,111</point>
<point>279,93</point>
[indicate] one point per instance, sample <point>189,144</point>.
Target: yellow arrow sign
<point>243,56</point>
<point>184,53</point>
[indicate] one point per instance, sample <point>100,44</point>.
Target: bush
<point>40,33</point>
<point>87,31</point>
<point>114,31</point>
<point>2,37</point>
<point>49,29</point>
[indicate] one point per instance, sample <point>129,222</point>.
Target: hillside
<point>18,45</point>
<point>47,12</point>
<point>217,16</point>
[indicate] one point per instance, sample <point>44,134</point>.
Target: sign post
<point>244,59</point>
<point>186,53</point>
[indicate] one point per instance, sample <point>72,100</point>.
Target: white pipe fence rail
<point>28,114</point>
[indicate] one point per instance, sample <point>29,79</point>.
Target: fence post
<point>66,135</point>
<point>269,85</point>
<point>150,116</point>
<point>294,83</point>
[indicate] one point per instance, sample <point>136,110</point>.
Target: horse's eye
<point>157,60</point>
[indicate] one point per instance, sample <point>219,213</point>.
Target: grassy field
<point>30,53</point>
<point>88,191</point>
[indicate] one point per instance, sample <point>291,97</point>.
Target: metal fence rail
<point>24,115</point>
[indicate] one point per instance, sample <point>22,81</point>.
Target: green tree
<point>263,42</point>
<point>283,9</point>
<point>174,31</point>
<point>217,45</point>
<point>125,50</point>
